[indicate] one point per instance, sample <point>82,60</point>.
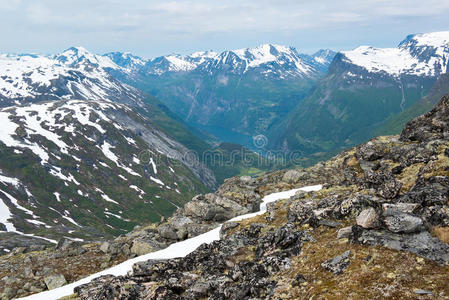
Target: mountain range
<point>363,90</point>
<point>76,124</point>
<point>232,95</point>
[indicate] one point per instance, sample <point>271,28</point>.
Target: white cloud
<point>178,22</point>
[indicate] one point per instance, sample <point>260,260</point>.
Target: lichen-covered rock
<point>337,264</point>
<point>140,247</point>
<point>431,126</point>
<point>398,221</point>
<point>55,281</point>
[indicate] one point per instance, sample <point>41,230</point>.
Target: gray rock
<point>197,229</point>
<point>55,281</point>
<point>245,179</point>
<point>179,222</point>
<point>344,232</point>
<point>422,292</point>
<point>65,244</point>
<point>403,207</point>
<point>8,293</point>
<point>384,183</point>
<point>226,227</point>
<point>105,247</point>
<point>422,243</point>
<point>337,264</point>
<point>167,232</point>
<point>140,247</point>
<point>397,221</point>
<point>368,218</point>
<point>328,223</point>
<point>28,272</point>
<point>291,176</point>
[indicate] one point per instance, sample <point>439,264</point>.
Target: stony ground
<point>378,229</point>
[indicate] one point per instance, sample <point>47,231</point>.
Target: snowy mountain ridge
<point>69,164</point>
<point>279,59</point>
<point>419,55</point>
<point>73,74</point>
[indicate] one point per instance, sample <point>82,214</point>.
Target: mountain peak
<point>417,55</point>
<point>80,55</point>
<point>432,39</point>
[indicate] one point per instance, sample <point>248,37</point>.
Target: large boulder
<point>401,222</point>
<point>55,281</point>
<point>368,218</point>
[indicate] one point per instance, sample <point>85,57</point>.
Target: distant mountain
<point>234,94</point>
<point>89,169</point>
<point>363,89</point>
<point>72,74</point>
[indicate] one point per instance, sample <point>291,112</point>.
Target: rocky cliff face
<point>378,229</point>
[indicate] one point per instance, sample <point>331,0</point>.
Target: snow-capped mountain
<point>245,89</point>
<point>72,74</point>
<point>269,60</point>
<point>424,55</point>
<point>88,169</point>
<point>364,88</point>
<point>125,60</point>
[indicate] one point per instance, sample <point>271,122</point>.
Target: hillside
<point>364,89</point>
<point>89,170</point>
<point>377,229</point>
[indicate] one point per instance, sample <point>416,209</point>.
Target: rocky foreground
<point>378,229</point>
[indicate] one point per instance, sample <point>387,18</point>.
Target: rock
<point>291,176</point>
<point>432,125</point>
<point>245,179</point>
<point>180,222</point>
<point>422,292</point>
<point>55,281</point>
<point>226,227</point>
<point>8,293</point>
<point>384,183</point>
<point>337,264</point>
<point>368,218</point>
<point>344,232</point>
<point>167,232</point>
<point>403,207</point>
<point>328,223</point>
<point>197,229</point>
<point>105,247</point>
<point>428,192</point>
<point>302,212</point>
<point>65,244</point>
<point>397,221</point>
<point>211,207</point>
<point>140,247</point>
<point>28,272</point>
<point>422,243</point>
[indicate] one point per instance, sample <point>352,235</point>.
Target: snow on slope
<point>44,120</point>
<point>282,60</point>
<point>74,73</point>
<point>420,55</point>
<point>269,53</point>
<point>175,250</point>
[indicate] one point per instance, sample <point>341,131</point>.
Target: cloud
<point>183,23</point>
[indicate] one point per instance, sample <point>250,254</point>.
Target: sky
<point>151,28</point>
